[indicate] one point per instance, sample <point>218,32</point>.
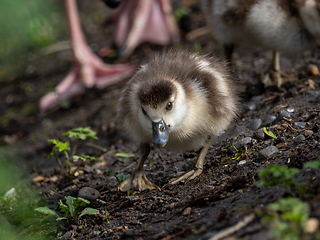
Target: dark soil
<point>227,190</point>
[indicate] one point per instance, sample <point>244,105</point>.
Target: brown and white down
<point>178,101</point>
<point>288,26</point>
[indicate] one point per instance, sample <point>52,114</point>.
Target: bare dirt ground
<point>225,194</point>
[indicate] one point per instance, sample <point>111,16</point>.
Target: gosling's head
<point>162,108</point>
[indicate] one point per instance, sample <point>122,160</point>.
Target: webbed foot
<point>274,76</point>
<point>137,180</point>
<point>187,176</point>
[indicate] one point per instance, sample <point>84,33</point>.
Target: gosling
<point>288,26</point>
<point>178,101</point>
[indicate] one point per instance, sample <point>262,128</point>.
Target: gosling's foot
<point>137,180</point>
<point>186,177</point>
<point>276,78</point>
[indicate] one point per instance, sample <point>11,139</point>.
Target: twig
<point>197,33</point>
<point>96,146</point>
<point>268,99</point>
<point>296,130</point>
<point>231,230</point>
<point>287,119</point>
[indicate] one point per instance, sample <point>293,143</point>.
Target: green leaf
<point>121,177</point>
<point>60,145</point>
<point>282,176</point>
<point>47,211</point>
<point>269,133</point>
<point>312,165</point>
<point>85,158</point>
<point>10,195</point>
<point>89,211</point>
<point>235,148</point>
<point>69,202</point>
<point>294,209</point>
<point>180,12</point>
<point>64,208</point>
<point>61,218</point>
<point>125,155</point>
<point>81,133</point>
<point>80,202</point>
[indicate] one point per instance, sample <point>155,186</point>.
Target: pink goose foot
<point>139,21</point>
<point>88,71</point>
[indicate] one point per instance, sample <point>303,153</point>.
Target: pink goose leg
<point>88,70</point>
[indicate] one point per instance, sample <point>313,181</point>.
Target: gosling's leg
<point>274,76</point>
<point>197,170</point>
<point>138,179</point>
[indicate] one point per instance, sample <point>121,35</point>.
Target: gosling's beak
<point>160,133</point>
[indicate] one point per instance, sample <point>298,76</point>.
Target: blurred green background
<point>25,28</point>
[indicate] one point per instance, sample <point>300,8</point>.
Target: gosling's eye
<point>144,111</point>
<point>169,106</point>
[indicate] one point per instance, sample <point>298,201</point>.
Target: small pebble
<point>251,106</point>
<point>89,193</point>
<point>286,114</point>
<point>281,145</point>
<point>312,225</point>
<point>256,98</point>
<point>301,125</point>
<point>88,169</point>
<point>308,132</point>
<point>313,69</point>
<point>314,93</point>
<point>267,152</point>
<point>243,142</point>
<point>187,211</point>
<point>270,120</point>
<point>299,138</point>
<point>67,235</point>
<point>311,84</point>
<point>96,232</point>
<point>242,162</point>
<point>255,125</point>
<point>260,134</point>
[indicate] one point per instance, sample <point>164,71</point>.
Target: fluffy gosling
<point>178,101</point>
<point>288,26</point>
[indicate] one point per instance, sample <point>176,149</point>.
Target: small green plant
<point>120,176</point>
<point>235,148</point>
<point>287,218</point>
<point>106,215</point>
<point>180,12</point>
<point>125,155</point>
<point>281,176</point>
<point>313,165</point>
<point>268,132</point>
<point>40,32</point>
<point>71,209</point>
<point>76,134</point>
